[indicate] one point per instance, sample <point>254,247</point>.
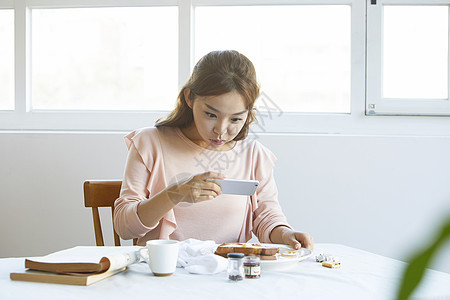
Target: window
<point>113,58</point>
<point>325,66</point>
<point>6,59</point>
<point>408,67</point>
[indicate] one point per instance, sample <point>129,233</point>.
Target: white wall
<point>384,194</point>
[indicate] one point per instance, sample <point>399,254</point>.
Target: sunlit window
<point>123,58</point>
<point>6,59</point>
<point>415,58</point>
<point>301,53</point>
<point>323,65</point>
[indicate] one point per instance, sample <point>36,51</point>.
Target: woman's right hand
<point>195,189</point>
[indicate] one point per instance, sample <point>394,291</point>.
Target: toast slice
<point>246,248</point>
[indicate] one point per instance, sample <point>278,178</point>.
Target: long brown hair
<point>217,73</point>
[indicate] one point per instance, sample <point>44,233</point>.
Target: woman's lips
<point>217,142</point>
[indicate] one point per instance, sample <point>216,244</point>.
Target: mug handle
<point>142,256</point>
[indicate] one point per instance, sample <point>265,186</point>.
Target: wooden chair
<point>102,193</point>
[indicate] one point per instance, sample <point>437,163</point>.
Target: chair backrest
<point>102,193</point>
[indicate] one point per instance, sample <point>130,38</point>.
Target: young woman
<point>166,190</point>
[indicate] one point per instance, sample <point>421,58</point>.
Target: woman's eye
<point>234,120</point>
<point>210,115</point>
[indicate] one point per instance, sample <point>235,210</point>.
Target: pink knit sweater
<point>161,156</point>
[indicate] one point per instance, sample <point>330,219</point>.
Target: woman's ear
<point>187,97</point>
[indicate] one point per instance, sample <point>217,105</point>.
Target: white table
<point>362,275</point>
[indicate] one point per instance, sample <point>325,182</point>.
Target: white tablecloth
<point>362,275</point>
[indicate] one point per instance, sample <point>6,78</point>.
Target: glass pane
<point>415,52</point>
<point>301,53</point>
<point>123,58</point>
<point>6,59</point>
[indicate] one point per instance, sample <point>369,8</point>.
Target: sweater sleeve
<point>134,190</point>
<point>267,213</point>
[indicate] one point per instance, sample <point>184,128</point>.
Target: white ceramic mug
<point>162,256</point>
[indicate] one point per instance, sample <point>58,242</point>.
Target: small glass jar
<point>252,267</point>
<point>235,266</point>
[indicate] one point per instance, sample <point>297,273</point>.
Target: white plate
<point>283,262</point>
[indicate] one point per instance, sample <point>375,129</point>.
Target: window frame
<point>357,122</point>
<point>4,5</point>
<point>376,104</point>
<point>23,118</point>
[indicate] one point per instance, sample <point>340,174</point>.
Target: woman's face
<point>218,119</point>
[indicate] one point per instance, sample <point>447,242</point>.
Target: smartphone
<point>237,186</point>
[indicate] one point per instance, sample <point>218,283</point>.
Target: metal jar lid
<point>235,255</point>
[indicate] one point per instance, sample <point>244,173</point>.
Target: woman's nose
<point>220,128</point>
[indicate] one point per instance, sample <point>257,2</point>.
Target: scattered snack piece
<point>326,257</point>
<point>332,259</point>
<point>321,257</point>
<point>331,264</point>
